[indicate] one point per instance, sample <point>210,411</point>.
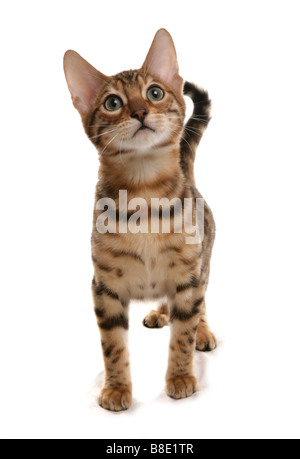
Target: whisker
<point>194,127</point>
<point>111,140</point>
<point>193,132</point>
<point>193,116</point>
<point>182,138</point>
<point>200,120</point>
<point>188,129</point>
<point>103,133</point>
<point>120,152</point>
<point>100,125</point>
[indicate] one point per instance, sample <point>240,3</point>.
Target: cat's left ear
<point>161,60</point>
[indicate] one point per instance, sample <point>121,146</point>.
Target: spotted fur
<point>145,148</point>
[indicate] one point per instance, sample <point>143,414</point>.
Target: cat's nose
<point>140,114</point>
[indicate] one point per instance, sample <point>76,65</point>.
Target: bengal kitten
<point>135,119</point>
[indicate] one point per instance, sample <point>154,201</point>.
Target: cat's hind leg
<point>158,318</point>
<point>205,339</point>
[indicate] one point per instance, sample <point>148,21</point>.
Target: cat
<point>135,119</point>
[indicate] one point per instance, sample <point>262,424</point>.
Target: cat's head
<point>133,111</point>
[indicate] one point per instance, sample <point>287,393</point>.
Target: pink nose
<point>140,114</point>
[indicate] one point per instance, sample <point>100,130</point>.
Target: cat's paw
<point>182,387</point>
<point>115,399</point>
<point>205,340</point>
<point>155,319</point>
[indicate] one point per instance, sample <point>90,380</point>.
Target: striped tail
<point>194,128</point>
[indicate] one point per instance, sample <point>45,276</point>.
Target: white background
<point>246,53</point>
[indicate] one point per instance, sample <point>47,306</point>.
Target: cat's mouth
<point>143,128</point>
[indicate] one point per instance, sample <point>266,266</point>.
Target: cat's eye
<point>113,103</point>
<point>155,94</point>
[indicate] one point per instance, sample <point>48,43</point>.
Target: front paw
<point>181,387</point>
<point>118,399</point>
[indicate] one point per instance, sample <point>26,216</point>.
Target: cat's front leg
<point>112,317</point>
<point>185,310</point>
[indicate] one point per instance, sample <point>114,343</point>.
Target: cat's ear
<point>161,60</point>
<point>84,81</point>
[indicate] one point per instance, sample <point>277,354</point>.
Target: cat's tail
<point>194,128</point>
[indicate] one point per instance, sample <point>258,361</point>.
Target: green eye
<point>113,103</point>
<point>155,94</point>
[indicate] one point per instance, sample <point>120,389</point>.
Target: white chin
<point>145,139</point>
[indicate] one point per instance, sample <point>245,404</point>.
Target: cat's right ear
<point>84,81</point>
